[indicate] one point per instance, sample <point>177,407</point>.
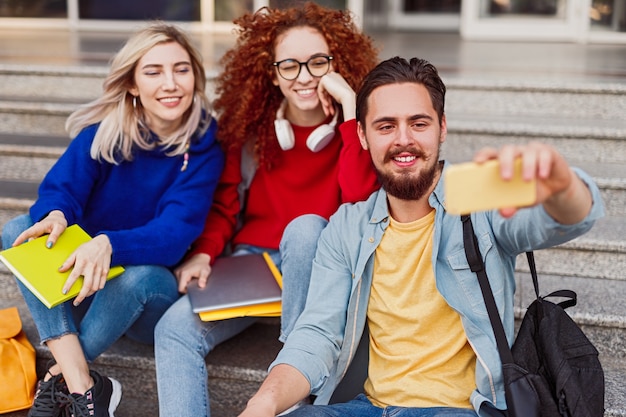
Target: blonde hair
<point>122,125</point>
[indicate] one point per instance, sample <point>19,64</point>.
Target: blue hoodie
<point>150,210</point>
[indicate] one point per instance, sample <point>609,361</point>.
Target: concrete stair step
<point>583,120</point>
<point>599,254</point>
<point>28,140</point>
<point>471,95</point>
<point>34,117</point>
<point>36,149</point>
<point>38,88</point>
<point>600,309</point>
<point>77,83</point>
<point>20,177</point>
<point>28,157</point>
<point>578,140</point>
<point>529,99</point>
<point>237,367</point>
<point>27,116</point>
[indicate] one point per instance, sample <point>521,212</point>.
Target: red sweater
<point>300,182</point>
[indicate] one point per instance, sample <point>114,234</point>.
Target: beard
<point>404,186</point>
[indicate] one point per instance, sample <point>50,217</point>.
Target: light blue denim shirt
<point>328,332</point>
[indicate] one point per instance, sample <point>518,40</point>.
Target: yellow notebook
<point>36,266</point>
<point>248,285</point>
<point>470,187</point>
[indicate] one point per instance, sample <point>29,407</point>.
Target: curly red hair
<point>247,100</point>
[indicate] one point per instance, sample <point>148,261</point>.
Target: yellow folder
<point>36,266</point>
<point>270,309</point>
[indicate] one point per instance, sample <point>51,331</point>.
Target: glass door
<point>556,20</point>
<point>424,15</point>
<point>607,21</point>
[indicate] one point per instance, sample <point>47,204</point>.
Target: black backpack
<point>560,361</point>
<point>552,370</point>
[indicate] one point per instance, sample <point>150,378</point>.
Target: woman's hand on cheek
<point>333,86</point>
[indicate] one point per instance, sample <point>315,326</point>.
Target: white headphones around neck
<point>316,141</point>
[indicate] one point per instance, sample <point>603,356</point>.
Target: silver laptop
<point>235,281</point>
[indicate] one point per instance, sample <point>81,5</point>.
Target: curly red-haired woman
<point>286,118</point>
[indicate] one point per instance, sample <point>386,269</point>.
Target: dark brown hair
<point>398,70</point>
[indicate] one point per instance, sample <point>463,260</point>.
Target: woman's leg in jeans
<point>51,323</point>
<point>182,342</point>
<point>297,249</point>
<point>133,302</point>
<point>130,304</point>
<point>56,326</point>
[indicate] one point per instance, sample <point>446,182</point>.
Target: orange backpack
<point>17,364</point>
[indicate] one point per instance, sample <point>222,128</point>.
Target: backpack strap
<point>476,264</point>
<point>571,297</point>
<point>475,261</point>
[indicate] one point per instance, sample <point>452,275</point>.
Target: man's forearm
<point>571,205</point>
<point>283,387</point>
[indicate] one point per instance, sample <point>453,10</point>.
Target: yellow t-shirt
<point>419,353</point>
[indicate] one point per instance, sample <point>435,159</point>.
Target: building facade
<point>581,21</point>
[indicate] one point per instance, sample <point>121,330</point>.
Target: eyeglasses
<point>290,69</point>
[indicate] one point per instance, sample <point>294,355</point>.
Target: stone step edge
<point>101,71</point>
<point>530,86</point>
<point>38,145</point>
<point>452,81</point>
<point>587,319</point>
<point>587,244</point>
<point>47,108</point>
<point>582,243</point>
<point>53,150</point>
<point>32,151</point>
<point>558,128</point>
<point>146,363</point>
<point>15,203</point>
<point>142,359</point>
<point>600,320</point>
<point>48,70</point>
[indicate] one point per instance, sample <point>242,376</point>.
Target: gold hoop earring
<point>135,102</point>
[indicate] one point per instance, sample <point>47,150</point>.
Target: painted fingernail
<point>48,244</point>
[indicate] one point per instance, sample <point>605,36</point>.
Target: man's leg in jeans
<point>362,407</point>
<point>182,342</point>
<point>358,407</point>
<point>297,250</point>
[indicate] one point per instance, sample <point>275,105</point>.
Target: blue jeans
<point>182,340</point>
<point>362,407</point>
<point>130,304</point>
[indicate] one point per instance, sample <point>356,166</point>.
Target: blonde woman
<point>139,177</point>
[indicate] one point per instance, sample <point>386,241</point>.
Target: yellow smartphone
<point>471,187</point>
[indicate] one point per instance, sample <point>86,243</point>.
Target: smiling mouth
<point>169,99</point>
<point>306,92</point>
<point>409,158</point>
